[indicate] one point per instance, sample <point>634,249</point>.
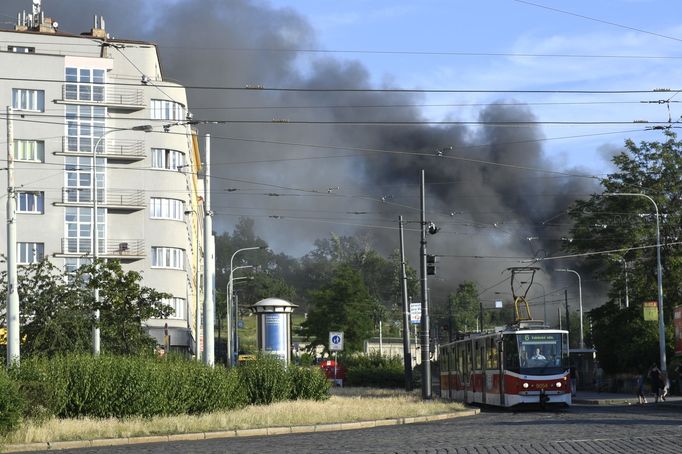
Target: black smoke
<point>357,179</point>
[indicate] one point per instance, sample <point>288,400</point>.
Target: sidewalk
<point>595,398</point>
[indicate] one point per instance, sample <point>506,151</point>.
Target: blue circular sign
<point>336,339</point>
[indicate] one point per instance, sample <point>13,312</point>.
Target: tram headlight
<point>558,384</point>
<point>525,385</point>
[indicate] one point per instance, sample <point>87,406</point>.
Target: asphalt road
<point>608,429</point>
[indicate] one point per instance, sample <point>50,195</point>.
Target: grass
<point>345,405</point>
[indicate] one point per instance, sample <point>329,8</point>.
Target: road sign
<point>240,324</point>
<point>650,311</point>
<point>336,341</point>
<point>415,313</point>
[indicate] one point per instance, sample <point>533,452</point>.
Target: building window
<point>84,84</point>
<point>21,49</point>
<point>168,257</point>
<point>166,209</point>
<point>28,99</point>
<point>29,150</point>
<point>178,305</point>
<point>31,202</point>
<point>163,158</point>
<point>167,110</point>
<point>30,253</point>
<point>84,127</point>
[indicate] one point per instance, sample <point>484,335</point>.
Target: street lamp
<point>236,306</point>
<point>229,281</point>
<point>580,301</point>
<point>625,271</point>
<point>661,323</point>
<point>95,233</point>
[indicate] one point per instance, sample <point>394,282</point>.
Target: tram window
<point>477,348</point>
<point>460,359</point>
<point>511,353</point>
<point>492,353</point>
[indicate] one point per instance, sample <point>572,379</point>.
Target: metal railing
<point>107,248</point>
<point>110,148</point>
<point>100,94</point>
<point>112,198</point>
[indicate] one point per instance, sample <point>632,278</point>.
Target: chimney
<point>98,30</point>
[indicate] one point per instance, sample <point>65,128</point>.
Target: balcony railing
<point>106,248</point>
<point>97,94</point>
<point>110,199</point>
<point>107,148</point>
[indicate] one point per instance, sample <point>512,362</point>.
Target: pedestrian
<point>665,385</point>
<point>641,379</point>
<point>656,383</point>
<point>573,375</point>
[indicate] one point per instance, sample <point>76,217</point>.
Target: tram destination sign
<point>538,338</point>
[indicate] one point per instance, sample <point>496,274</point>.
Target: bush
<point>374,370</point>
<point>265,380</point>
<point>109,386</point>
<point>308,383</point>
<point>12,404</point>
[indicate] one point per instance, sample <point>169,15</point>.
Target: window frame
<point>170,258</point>
<point>29,252</point>
<point>37,150</point>
<point>166,208</point>
<point>28,99</point>
<point>38,202</point>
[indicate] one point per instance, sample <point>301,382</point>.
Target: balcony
<point>112,149</point>
<point>121,98</point>
<point>112,199</point>
<point>124,250</point>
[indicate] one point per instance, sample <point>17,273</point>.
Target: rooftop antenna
<point>37,13</point>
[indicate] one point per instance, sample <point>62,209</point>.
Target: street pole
<point>426,363</point>
<point>197,296</point>
<point>568,314</point>
<point>13,326</point>
<point>407,356</point>
<point>661,322</point>
<point>209,264</point>
<point>230,289</point>
<point>580,302</point>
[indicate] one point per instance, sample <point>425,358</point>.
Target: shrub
<point>12,404</point>
<point>110,386</point>
<point>374,370</point>
<point>265,380</point>
<point>308,383</point>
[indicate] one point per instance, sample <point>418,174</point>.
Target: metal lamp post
<point>95,232</point>
<point>229,281</point>
<point>236,306</point>
<point>580,301</point>
<point>625,272</point>
<point>661,323</point>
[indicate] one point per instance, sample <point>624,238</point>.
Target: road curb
<point>327,427</point>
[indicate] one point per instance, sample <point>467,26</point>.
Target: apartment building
<point>100,137</point>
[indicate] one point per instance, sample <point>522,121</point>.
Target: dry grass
<point>345,405</point>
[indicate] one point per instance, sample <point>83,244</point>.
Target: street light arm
<point>580,301</point>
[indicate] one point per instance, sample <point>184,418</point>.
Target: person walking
<point>641,379</point>
<point>573,373</point>
<point>656,383</point>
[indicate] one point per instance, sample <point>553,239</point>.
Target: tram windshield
<point>537,353</point>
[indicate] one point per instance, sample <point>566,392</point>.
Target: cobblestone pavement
<point>582,428</point>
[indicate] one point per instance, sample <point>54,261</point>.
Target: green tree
<point>628,224</point>
<point>465,307</point>
<point>342,304</point>
<point>124,305</point>
<point>56,315</point>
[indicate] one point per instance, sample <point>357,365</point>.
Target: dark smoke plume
<point>482,209</point>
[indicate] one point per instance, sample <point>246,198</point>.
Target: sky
<point>450,72</point>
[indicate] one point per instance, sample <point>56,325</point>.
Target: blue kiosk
<point>274,326</point>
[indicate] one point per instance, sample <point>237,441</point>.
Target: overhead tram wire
<point>261,88</point>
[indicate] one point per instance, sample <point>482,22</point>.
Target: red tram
<point>522,364</point>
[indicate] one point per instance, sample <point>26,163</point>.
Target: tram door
<point>482,362</point>
<point>500,368</point>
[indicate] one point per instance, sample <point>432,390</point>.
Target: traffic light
<point>431,264</point>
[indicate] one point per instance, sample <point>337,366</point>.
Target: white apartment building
<point>76,98</point>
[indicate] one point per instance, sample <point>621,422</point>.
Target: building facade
<point>102,149</point>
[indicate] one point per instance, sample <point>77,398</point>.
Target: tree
<point>628,224</point>
<point>465,307</point>
<point>343,304</point>
<point>56,316</point>
<point>124,305</point>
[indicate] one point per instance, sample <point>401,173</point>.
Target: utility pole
<point>13,346</point>
<point>568,315</point>
<point>209,264</point>
<point>426,363</point>
<point>407,356</point>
